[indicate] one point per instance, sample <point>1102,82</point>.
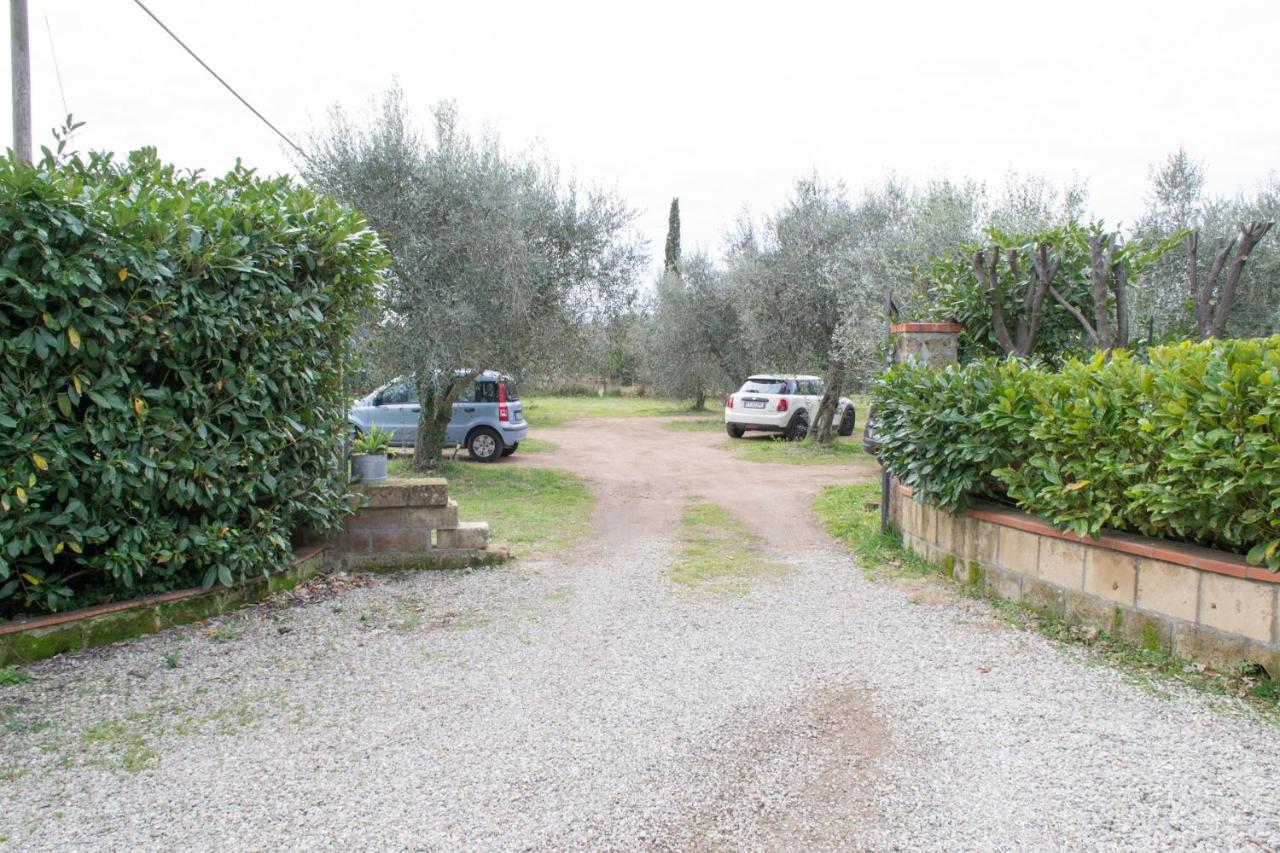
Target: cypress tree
<point>673,238</point>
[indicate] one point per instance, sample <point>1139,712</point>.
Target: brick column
<point>932,343</point>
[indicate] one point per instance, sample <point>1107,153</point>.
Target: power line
<point>227,85</point>
<point>56,70</point>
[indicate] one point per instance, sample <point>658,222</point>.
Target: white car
<point>782,403</point>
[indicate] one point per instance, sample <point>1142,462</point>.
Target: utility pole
<point>20,51</point>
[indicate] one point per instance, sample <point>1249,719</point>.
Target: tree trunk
<point>700,401</point>
<point>830,401</point>
<point>428,445</point>
<point>436,398</point>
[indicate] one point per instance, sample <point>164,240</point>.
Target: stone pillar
<point>933,344</point>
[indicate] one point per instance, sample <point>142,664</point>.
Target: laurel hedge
<point>171,360</point>
<point>1180,442</point>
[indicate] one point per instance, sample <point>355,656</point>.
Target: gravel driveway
<point>587,701</point>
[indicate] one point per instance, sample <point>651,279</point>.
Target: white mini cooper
<point>782,403</point>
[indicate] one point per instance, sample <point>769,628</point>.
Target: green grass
<point>537,445</point>
<point>534,510</point>
<point>852,515</point>
<point>841,451</point>
<point>12,675</point>
<point>718,552</point>
<point>552,411</point>
<point>710,423</point>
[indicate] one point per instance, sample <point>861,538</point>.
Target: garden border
<point>1199,603</point>
<point>29,640</point>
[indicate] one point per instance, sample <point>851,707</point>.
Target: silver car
<point>488,417</point>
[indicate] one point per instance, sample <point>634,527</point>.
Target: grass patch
<point>10,675</point>
<point>841,451</point>
<point>710,423</point>
<point>553,411</point>
<point>534,510</point>
<point>718,552</point>
<point>852,515</point>
<point>537,445</point>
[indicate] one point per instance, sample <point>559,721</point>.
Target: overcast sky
<point>722,104</point>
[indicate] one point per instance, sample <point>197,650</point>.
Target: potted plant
<point>369,456</point>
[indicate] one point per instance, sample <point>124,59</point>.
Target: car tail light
<point>502,392</point>
<point>782,404</point>
<point>728,404</point>
<point>504,414</point>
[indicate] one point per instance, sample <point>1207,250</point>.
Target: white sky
<point>722,104</point>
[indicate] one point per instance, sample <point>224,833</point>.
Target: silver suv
<point>488,418</point>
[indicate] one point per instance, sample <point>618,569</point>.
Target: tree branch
<point>990,277</point>
<point>1249,236</point>
<point>1204,302</point>
<point>1075,312</point>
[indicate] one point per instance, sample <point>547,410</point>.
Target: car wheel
<point>734,430</point>
<point>507,451</point>
<point>798,428</point>
<point>484,445</point>
<point>847,422</point>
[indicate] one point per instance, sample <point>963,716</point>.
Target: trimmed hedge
<point>1182,442</point>
<point>171,358</point>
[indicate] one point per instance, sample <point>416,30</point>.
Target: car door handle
<point>468,408</point>
<point>416,409</point>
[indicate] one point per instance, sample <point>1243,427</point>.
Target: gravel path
<point>586,701</point>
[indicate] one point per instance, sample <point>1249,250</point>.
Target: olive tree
<point>1232,289</point>
<point>493,254</point>
<point>696,335</point>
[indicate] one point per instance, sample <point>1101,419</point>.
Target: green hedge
<point>171,355</point>
<point>1181,442</point>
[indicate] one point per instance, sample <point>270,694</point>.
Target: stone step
<point>472,535</point>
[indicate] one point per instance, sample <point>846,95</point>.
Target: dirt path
<point>585,700</point>
<point>644,475</point>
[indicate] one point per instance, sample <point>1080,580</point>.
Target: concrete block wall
<point>1204,605</point>
<point>411,523</point>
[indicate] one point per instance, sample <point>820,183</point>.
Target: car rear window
<point>764,385</point>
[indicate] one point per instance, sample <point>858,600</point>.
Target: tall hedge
<point>171,359</point>
<point>1181,442</point>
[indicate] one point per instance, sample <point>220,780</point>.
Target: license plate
<point>753,404</point>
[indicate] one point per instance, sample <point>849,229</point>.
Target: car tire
<point>798,428</point>
<point>847,422</point>
<point>734,430</point>
<point>484,445</point>
<point>507,451</point>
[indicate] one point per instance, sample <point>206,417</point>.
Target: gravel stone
<point>557,704</point>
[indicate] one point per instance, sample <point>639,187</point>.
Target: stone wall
<point>1204,605</point>
<point>411,523</point>
<point>931,343</point>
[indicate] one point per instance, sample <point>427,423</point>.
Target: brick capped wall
<point>1201,604</point>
